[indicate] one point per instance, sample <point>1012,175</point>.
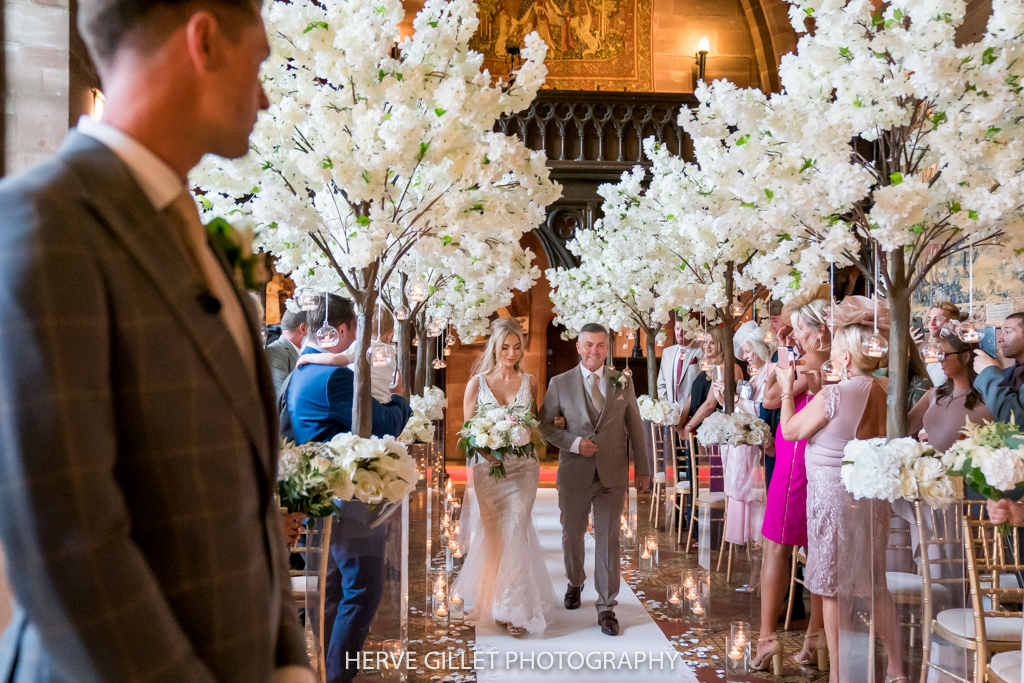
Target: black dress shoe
<point>609,624</point>
<point>572,597</point>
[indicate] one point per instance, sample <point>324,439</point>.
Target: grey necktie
<point>596,398</point>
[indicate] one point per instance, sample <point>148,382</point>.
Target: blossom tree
<point>889,139</point>
<point>376,147</point>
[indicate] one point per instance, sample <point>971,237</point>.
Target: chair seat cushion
<point>682,486</point>
<point>903,583</point>
<point>711,497</point>
<point>1005,581</point>
<point>1006,665</point>
<point>997,629</point>
<point>659,477</point>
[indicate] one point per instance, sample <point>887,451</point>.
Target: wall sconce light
<point>702,56</point>
<point>98,101</point>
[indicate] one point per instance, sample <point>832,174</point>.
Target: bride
<point>504,578</point>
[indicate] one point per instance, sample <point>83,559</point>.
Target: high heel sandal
<point>820,651</point>
<point>759,663</point>
<point>515,630</point>
<point>897,679</point>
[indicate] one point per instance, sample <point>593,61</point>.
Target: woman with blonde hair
<point>702,401</point>
<point>853,409</point>
<point>504,579</point>
<point>785,515</point>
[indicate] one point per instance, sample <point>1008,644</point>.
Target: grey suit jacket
<point>618,423</point>
<point>282,357</point>
<point>138,458</point>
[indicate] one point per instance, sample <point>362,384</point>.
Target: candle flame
<point>704,46</point>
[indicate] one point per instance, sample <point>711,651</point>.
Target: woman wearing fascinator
<point>855,408</point>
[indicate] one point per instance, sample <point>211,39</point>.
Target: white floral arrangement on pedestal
<point>659,411</point>
<point>901,468</point>
<point>425,410</point>
<point>990,458</point>
<point>311,477</point>
<point>738,429</point>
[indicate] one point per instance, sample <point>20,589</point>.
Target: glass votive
<point>439,609</point>
<point>395,653</point>
<point>646,560</point>
<point>439,581</point>
<point>651,543</point>
<point>737,648</point>
<point>698,608</point>
<point>674,597</point>
<point>456,609</point>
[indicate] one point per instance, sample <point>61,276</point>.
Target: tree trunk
<point>652,364</point>
<point>729,326</point>
<point>430,379</point>
<point>423,359</point>
<point>362,398</point>
<point>897,422</point>
<point>405,330</point>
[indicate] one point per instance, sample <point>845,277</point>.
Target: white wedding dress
<point>504,578</point>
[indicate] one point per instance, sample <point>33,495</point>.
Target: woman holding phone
<point>702,401</point>
<point>785,517</point>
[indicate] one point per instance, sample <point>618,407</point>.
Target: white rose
<point>482,440</point>
<point>341,485</point>
<point>368,486</point>
<point>396,489</point>
<point>520,436</point>
<point>1003,469</point>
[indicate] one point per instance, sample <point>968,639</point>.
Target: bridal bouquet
<point>738,429</point>
<point>503,431</point>
<point>990,458</point>
<point>659,411</point>
<point>901,468</point>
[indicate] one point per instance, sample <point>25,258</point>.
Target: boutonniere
<point>234,241</point>
<point>618,381</point>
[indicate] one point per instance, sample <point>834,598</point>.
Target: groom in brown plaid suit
<point>138,427</point>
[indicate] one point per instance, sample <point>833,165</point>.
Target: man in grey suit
<point>284,352</point>
<point>602,416</point>
<point>137,415</point>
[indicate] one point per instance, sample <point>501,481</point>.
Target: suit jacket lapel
<point>111,191</point>
<point>610,393</point>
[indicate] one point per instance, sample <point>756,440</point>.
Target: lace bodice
<point>826,447</point>
<point>485,396</point>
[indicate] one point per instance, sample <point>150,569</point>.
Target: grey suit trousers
<point>575,504</point>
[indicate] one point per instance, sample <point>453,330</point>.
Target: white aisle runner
<point>586,653</point>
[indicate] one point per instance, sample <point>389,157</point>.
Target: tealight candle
<point>674,599</point>
<point>645,555</point>
<point>735,654</point>
<point>441,611</point>
<point>697,609</point>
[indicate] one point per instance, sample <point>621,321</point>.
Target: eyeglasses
<point>944,356</point>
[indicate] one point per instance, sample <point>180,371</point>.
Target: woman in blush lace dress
<point>504,579</point>
<point>852,409</point>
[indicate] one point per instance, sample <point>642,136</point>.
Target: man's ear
<point>303,329</point>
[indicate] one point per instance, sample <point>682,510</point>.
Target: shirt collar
<point>587,373</point>
<point>159,182</point>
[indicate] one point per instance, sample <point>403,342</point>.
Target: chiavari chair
<point>308,588</point>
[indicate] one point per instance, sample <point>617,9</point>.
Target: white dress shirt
<point>586,387</point>
<point>162,187</point>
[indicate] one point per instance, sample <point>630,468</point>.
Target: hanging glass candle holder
<point>737,310</point>
<point>447,351</point>
<point>705,364</point>
<point>876,346</point>
<point>415,341</point>
<point>769,336</point>
<point>417,289</point>
<point>970,333</point>
<point>661,338</point>
<point>451,340</point>
<point>627,372</point>
<point>630,333</point>
<point>438,364</point>
<point>433,330</point>
<point>401,313</point>
<point>754,369</point>
<point>308,301</point>
<point>327,336</point>
<point>699,335</point>
<point>830,372</point>
<point>380,355</point>
<point>931,352</point>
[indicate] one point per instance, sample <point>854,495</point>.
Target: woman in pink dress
<point>785,517</point>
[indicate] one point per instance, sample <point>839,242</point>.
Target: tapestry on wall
<point>592,44</point>
<point>995,283</point>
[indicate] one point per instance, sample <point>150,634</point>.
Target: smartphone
<point>988,342</point>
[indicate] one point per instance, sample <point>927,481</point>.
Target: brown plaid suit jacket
<point>137,453</point>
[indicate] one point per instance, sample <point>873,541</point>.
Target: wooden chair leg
<point>792,587</point>
<point>728,564</point>
<point>721,548</point>
<point>689,535</point>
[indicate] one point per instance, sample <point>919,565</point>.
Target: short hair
<point>107,25</point>
<point>775,308</point>
<point>1019,317</point>
<point>949,308</point>
<point>595,328</point>
<point>291,320</point>
<point>339,312</point>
